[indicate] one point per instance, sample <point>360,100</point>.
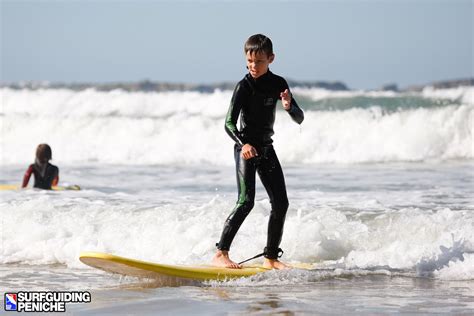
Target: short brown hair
<point>44,153</point>
<point>259,43</point>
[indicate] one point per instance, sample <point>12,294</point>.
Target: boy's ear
<point>271,58</point>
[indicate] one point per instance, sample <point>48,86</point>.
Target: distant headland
<point>152,86</point>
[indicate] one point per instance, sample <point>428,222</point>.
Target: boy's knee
<point>247,205</point>
<point>280,205</point>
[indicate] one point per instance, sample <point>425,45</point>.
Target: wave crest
<point>187,127</point>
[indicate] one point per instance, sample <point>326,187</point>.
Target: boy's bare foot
<point>221,259</point>
<point>274,264</point>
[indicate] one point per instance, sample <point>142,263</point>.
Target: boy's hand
<point>248,151</point>
<point>286,99</point>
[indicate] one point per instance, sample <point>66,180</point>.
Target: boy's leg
<point>273,180</point>
<point>245,171</point>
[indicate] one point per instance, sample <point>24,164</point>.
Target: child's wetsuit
<point>255,100</point>
<point>44,175</point>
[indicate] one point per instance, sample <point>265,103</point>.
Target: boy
<point>46,175</point>
<point>255,99</point>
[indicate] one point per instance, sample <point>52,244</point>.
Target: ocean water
<point>381,189</point>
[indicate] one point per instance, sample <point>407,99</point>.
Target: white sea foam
<point>457,269</point>
<point>462,94</point>
<point>369,135</point>
<point>187,128</point>
<point>433,242</point>
<point>411,237</point>
<point>317,94</point>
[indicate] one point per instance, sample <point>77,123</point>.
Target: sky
<point>365,44</point>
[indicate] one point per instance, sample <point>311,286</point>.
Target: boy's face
<point>257,63</point>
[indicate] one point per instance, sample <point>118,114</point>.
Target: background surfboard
<point>13,187</point>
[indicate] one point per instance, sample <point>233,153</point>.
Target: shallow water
<point>375,292</point>
<point>385,238</point>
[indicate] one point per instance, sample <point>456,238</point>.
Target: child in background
<point>46,175</point>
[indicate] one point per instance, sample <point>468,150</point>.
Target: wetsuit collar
<point>262,77</point>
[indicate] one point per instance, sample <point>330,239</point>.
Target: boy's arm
<point>296,112</point>
<point>233,115</point>
<point>290,105</point>
<point>26,177</point>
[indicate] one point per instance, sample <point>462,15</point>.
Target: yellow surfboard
<point>13,187</point>
<point>137,268</point>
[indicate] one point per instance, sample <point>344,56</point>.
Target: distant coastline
<point>152,86</point>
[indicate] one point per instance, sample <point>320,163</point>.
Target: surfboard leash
<point>279,254</point>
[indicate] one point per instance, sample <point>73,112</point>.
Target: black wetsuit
<point>44,175</point>
<point>255,100</point>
